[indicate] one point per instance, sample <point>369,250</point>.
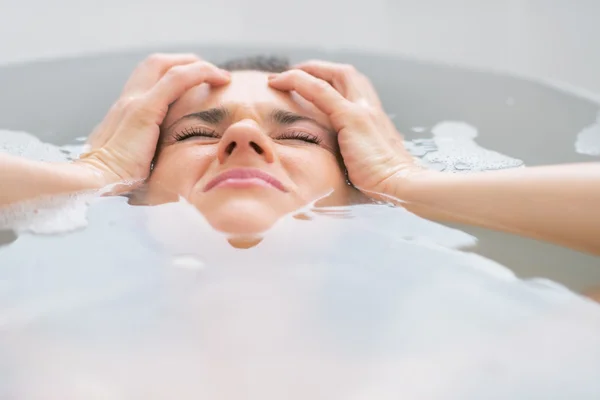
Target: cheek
<point>179,167</point>
<point>316,169</point>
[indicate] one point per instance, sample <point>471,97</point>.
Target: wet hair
<point>263,63</point>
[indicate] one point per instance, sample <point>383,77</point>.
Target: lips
<point>243,178</point>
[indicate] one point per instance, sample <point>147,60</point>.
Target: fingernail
<point>225,72</point>
<point>272,76</point>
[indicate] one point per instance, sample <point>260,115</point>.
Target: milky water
<point>164,307</point>
<point>152,303</point>
<point>361,302</point>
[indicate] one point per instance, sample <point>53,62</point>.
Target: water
<point>453,148</point>
<point>165,307</point>
<point>354,302</point>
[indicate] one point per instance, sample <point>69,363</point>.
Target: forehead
<point>247,93</point>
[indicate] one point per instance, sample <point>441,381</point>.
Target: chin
<point>242,217</point>
<point>241,225</point>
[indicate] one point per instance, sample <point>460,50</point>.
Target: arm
<point>123,145</point>
<point>560,204</point>
<point>22,179</point>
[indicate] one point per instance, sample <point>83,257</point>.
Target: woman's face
<point>245,154</point>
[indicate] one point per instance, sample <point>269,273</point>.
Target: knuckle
<point>117,107</point>
<point>371,112</point>
<point>141,111</point>
<point>347,70</point>
<point>295,74</point>
<point>176,74</point>
<point>206,66</point>
<point>321,86</point>
<point>190,55</point>
<point>131,104</point>
<point>122,104</point>
<point>363,113</point>
<point>155,59</point>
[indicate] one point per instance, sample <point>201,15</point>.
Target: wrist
<point>113,167</point>
<point>96,174</point>
<point>24,179</point>
<point>103,165</point>
<point>410,182</point>
<point>85,176</point>
<point>402,182</point>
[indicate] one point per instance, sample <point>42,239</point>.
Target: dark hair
<point>262,63</point>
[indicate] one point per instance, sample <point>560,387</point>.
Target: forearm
<point>22,179</point>
<point>556,203</point>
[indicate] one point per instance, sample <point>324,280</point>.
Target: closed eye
<point>195,132</point>
<point>299,135</point>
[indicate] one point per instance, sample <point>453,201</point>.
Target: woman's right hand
<point>123,145</point>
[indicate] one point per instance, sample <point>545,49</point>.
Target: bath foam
<point>49,214</point>
<point>588,140</point>
<point>26,145</point>
<point>453,149</point>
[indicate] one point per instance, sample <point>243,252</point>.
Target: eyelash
<point>201,132</point>
<point>299,135</point>
<point>195,131</point>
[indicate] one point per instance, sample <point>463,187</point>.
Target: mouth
<point>241,178</point>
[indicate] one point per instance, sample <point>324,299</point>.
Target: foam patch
<point>49,214</point>
<point>453,149</point>
<point>26,145</point>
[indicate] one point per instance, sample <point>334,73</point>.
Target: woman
<point>255,140</point>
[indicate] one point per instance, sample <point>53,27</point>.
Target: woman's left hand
<point>372,149</point>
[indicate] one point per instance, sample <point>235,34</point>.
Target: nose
<point>245,139</point>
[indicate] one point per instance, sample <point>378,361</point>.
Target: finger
<point>343,77</point>
<point>326,70</point>
<point>152,69</point>
<point>368,91</point>
<point>317,91</point>
<point>142,79</point>
<point>182,78</point>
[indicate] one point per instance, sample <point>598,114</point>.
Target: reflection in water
<point>453,149</point>
<point>588,140</point>
<point>163,307</point>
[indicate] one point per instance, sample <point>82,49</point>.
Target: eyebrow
<point>283,117</point>
<point>215,116</point>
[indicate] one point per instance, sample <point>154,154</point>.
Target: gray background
<point>553,39</point>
